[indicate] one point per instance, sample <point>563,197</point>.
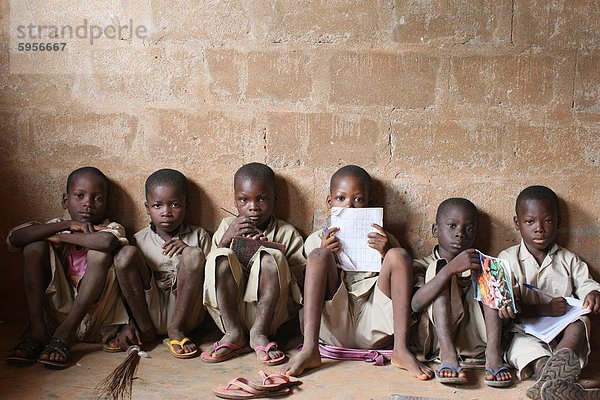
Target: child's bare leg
<point>443,326</point>
<point>320,283</point>
<point>227,298</point>
<point>493,350</point>
<point>89,291</point>
<point>573,337</point>
<point>395,281</point>
<point>268,295</point>
<point>190,278</point>
<point>134,279</point>
<point>36,264</point>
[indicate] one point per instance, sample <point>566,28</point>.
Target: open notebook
<point>547,328</point>
<point>355,225</point>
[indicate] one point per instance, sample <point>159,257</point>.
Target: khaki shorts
<point>246,279</point>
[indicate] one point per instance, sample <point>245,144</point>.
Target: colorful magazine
<point>492,284</point>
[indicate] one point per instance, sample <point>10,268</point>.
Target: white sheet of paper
<point>547,328</point>
<point>355,225</point>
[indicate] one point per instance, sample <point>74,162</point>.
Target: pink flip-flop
<point>274,382</point>
<point>270,361</point>
<point>239,388</point>
<point>235,351</point>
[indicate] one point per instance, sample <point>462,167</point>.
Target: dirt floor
<point>165,377</point>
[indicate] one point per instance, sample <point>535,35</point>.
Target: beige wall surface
<point>434,98</point>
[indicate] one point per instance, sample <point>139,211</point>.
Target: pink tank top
<point>77,264</point>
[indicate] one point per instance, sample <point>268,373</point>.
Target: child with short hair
<point>541,262</point>
<point>355,309</point>
<point>257,298</point>
<point>162,278</point>
<point>70,284</point>
<point>454,322</point>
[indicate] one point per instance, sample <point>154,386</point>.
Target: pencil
<point>227,211</point>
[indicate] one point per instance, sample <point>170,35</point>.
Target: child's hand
<point>506,312</point>
<point>82,227</point>
<point>379,240</point>
<point>592,301</point>
<point>54,239</point>
<point>557,307</point>
<point>330,241</point>
<point>241,226</point>
<point>174,247</point>
<point>465,261</point>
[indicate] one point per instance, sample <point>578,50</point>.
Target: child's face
<point>166,206</point>
<point>348,191</point>
<point>537,220</point>
<point>86,200</point>
<point>456,230</point>
<point>256,200</point>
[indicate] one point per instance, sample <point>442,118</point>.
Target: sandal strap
<point>59,346</point>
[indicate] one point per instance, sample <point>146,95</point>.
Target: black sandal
<point>59,346</point>
<point>32,348</point>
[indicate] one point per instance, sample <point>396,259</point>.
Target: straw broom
<point>118,384</point>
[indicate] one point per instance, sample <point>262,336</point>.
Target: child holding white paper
<point>540,262</point>
<point>355,309</point>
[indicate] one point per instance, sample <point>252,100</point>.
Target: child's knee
<point>193,259</point>
<point>398,257</point>
<point>267,262</point>
<point>319,255</point>
<point>35,249</point>
<point>100,257</point>
<point>222,266</point>
<point>124,257</point>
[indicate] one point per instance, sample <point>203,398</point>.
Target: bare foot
<point>236,337</point>
<point>176,334</point>
<point>305,359</point>
<point>406,360</point>
<point>259,339</point>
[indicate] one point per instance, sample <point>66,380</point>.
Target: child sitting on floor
<point>355,309</point>
<point>456,325</point>
<point>557,273</point>
<point>162,278</point>
<point>70,284</point>
<point>255,298</point>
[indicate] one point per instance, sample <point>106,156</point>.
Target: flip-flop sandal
<point>271,361</point>
<point>559,390</point>
<point>111,347</point>
<point>453,380</point>
<point>32,349</point>
<point>170,342</point>
<point>563,365</point>
<point>239,388</point>
<point>494,382</point>
<point>59,346</point>
<point>274,382</point>
<point>235,351</point>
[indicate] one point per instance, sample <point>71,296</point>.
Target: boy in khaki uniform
<point>355,309</point>
<point>69,281</point>
<point>162,278</point>
<point>257,298</point>
<point>558,273</point>
<point>454,323</point>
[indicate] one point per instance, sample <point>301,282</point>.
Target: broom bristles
<point>119,382</point>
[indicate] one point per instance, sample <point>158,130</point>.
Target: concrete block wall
<point>434,98</point>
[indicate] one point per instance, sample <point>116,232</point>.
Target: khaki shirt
<point>357,283</point>
<point>562,274</point>
<point>164,268</point>
<point>277,231</point>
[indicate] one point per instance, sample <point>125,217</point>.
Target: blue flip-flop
<point>453,380</point>
<point>495,382</point>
